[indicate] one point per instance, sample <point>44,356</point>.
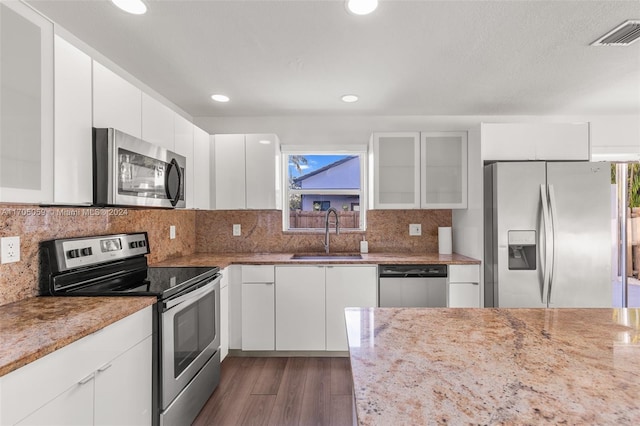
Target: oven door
<point>190,337</point>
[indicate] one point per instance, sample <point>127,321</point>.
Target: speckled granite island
<point>495,366</point>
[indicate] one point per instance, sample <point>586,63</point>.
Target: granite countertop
<point>35,327</point>
<point>225,259</point>
<point>495,366</point>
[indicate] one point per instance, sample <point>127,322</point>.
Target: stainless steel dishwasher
<point>413,286</point>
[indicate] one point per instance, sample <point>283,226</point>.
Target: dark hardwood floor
<point>281,391</point>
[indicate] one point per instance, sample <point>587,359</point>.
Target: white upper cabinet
<point>261,161</point>
<point>412,170</point>
<point>444,170</point>
<point>230,172</point>
<point>26,116</point>
<point>246,171</point>
<point>201,170</point>
<point>116,102</point>
<point>535,141</point>
<point>183,136</point>
<point>72,138</point>
<point>396,170</point>
<point>158,123</point>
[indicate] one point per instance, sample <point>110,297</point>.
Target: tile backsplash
<point>387,230</point>
<point>34,224</point>
<point>197,231</point>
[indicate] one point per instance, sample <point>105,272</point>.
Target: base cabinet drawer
<point>463,286</point>
<point>464,295</point>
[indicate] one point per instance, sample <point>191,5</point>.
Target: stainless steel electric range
<point>186,359</point>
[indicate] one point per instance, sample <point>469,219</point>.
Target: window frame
<point>361,151</point>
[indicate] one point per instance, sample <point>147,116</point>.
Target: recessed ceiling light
<point>220,98</point>
<point>264,142</point>
<point>135,7</point>
<point>361,7</point>
<point>349,98</point>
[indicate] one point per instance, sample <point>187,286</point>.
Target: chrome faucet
<point>326,227</point>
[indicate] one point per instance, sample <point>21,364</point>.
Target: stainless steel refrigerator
<point>547,234</point>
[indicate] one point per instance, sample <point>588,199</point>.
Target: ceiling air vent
<point>623,35</point>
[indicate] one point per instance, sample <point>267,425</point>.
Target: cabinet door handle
<point>104,367</point>
<point>86,379</point>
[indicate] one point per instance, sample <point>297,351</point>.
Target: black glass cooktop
<point>168,281</point>
<point>160,282</point>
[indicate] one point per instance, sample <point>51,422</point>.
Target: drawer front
<point>258,274</point>
<point>464,273</point>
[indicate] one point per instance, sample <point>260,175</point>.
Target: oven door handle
<point>192,295</point>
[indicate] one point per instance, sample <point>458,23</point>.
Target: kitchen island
<point>495,366</point>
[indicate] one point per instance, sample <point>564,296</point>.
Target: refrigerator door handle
<point>548,238</point>
<point>553,207</point>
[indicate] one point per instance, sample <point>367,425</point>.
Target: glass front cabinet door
<point>444,170</point>
<point>395,168</point>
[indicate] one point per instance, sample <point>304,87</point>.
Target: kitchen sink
<point>330,256</point>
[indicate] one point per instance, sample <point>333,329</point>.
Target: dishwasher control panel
<point>413,271</point>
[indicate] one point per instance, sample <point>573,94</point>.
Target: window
<point>318,180</point>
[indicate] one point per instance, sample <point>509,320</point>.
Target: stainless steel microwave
<point>128,171</point>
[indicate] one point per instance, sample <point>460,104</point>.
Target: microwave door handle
<point>173,198</point>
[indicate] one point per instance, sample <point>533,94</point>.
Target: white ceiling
<point>407,58</point>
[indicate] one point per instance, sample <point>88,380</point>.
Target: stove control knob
<point>133,244</point>
<point>142,243</point>
<point>72,254</point>
<point>86,251</point>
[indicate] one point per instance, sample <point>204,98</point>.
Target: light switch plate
<point>237,230</point>
<point>10,249</point>
<point>172,232</point>
<point>415,229</point>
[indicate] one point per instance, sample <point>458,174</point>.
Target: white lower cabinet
<point>347,286</point>
<point>300,313</point>
<point>310,303</point>
<point>104,378</point>
<point>224,314</point>
<point>258,308</point>
<point>120,398</point>
<point>235,306</point>
<point>463,286</point>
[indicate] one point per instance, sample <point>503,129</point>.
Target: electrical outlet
<point>237,230</point>
<point>10,249</point>
<point>172,232</point>
<point>415,229</point>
